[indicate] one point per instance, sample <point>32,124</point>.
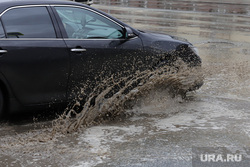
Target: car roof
<point>5,4</point>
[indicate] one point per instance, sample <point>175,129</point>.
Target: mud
<point>176,80</point>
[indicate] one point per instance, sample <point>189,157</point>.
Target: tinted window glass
<point>2,35</point>
<point>84,24</point>
<point>30,22</point>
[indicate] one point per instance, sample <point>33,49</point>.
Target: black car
<point>48,48</point>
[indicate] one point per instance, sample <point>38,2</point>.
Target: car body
<point>48,48</point>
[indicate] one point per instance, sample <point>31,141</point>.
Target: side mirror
<point>129,33</point>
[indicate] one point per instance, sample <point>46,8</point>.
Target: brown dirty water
<point>134,87</point>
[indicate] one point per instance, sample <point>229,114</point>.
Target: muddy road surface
<point>161,131</point>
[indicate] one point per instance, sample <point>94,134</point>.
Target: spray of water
<point>111,97</point>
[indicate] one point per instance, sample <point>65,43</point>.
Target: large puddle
<point>159,130</point>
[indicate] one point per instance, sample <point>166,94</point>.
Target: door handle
<point>3,51</point>
<point>78,50</point>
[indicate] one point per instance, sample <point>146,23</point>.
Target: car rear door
<point>34,59</point>
<point>98,46</point>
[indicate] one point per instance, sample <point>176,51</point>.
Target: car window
<point>28,22</point>
<point>84,24</point>
<point>2,34</point>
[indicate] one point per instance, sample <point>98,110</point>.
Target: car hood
<point>161,42</point>
<point>165,37</point>
<point>158,35</point>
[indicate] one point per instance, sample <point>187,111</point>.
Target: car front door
<point>34,61</point>
<point>98,46</point>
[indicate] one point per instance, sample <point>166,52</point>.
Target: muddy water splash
<point>107,102</point>
<point>49,142</point>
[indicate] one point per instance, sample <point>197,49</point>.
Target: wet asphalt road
<point>162,132</point>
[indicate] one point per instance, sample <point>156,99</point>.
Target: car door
<point>98,45</point>
<point>34,60</point>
